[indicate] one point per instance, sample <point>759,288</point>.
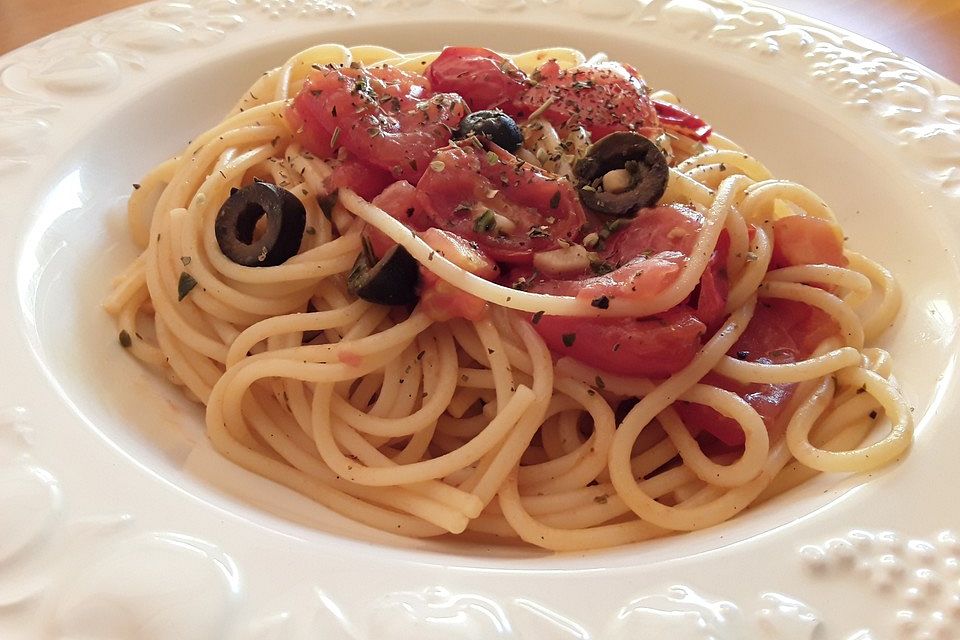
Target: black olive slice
<point>495,125</point>
<point>237,220</point>
<point>639,166</point>
<point>392,280</point>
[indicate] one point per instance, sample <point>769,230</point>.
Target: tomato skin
<point>485,79</point>
<point>385,117</point>
<point>471,181</point>
<point>646,347</point>
<point>603,98</point>
<point>802,239</point>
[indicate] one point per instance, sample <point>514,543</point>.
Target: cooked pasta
<point>476,423</point>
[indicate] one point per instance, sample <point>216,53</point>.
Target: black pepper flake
<point>185,260</point>
<point>125,340</point>
<point>600,267</point>
<point>603,302</point>
<point>185,285</point>
<point>310,231</point>
<point>601,499</point>
<point>568,339</point>
<point>742,355</point>
<point>136,186</point>
<point>600,384</point>
<point>536,317</point>
<point>555,200</point>
<point>420,355</point>
<point>873,415</point>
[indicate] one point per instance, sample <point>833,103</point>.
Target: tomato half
<point>801,239</point>
<point>647,347</point>
<point>536,210</point>
<point>602,98</point>
<point>781,331</point>
<point>485,79</point>
<point>384,117</point>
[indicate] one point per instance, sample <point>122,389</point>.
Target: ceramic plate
<point>117,520</point>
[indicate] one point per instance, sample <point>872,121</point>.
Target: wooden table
<point>926,30</point>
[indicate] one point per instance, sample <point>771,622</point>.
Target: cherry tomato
<point>510,208</point>
<point>801,239</point>
<point>603,98</point>
<point>649,347</point>
<point>781,331</point>
<point>442,301</point>
<point>384,117</point>
<point>485,79</point>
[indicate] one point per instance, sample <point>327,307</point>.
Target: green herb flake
<point>599,383</point>
<point>334,138</point>
<point>485,222</point>
<point>310,231</point>
<point>185,285</point>
<point>568,339</point>
<point>125,340</point>
<point>492,158</point>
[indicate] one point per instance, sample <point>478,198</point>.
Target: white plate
<point>118,521</point>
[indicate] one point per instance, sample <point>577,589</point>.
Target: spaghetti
<point>423,425</point>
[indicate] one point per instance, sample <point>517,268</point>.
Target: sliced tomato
<point>442,301</point>
<point>711,295</point>
<point>462,252</point>
<point>647,347</point>
<point>767,399</point>
<point>485,79</point>
<point>398,200</point>
<point>382,116</point>
<point>645,256</point>
<point>538,209</point>
<point>802,239</point>
<point>639,279</point>
<point>666,228</point>
<point>602,98</point>
<point>780,331</point>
